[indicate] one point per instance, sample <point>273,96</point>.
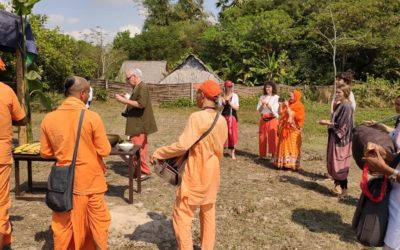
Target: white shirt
<point>234,100</point>
<point>273,101</point>
<point>392,237</point>
<point>90,97</point>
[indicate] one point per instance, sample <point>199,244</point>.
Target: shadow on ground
<point>316,187</point>
<point>159,231</point>
<point>311,185</point>
<point>47,237</point>
<point>254,157</point>
<point>119,167</point>
<point>319,221</point>
<point>117,191</point>
<point>313,175</point>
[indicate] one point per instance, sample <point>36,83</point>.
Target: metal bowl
<point>113,139</point>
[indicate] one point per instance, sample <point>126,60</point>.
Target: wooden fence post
<point>191,93</point>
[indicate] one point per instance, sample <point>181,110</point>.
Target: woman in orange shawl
<point>289,132</point>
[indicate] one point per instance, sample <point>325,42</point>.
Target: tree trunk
<point>22,135</point>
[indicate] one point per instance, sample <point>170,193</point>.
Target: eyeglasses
<point>129,77</point>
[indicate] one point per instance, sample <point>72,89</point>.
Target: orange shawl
<point>298,114</point>
<point>298,108</point>
<point>2,65</point>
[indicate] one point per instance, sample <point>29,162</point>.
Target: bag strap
<point>204,135</point>
<point>208,131</point>
<point>78,135</point>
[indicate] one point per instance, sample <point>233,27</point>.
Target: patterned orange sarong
<point>289,130</point>
<point>289,151</point>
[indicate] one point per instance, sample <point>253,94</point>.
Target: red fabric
<point>142,141</point>
<point>267,137</point>
<point>228,83</point>
<point>364,186</point>
<point>284,124</point>
<point>232,132</point>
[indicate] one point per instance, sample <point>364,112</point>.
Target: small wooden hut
<point>191,70</point>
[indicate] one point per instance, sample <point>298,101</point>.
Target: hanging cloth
<point>10,37</point>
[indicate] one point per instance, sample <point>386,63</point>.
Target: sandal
<point>336,190</point>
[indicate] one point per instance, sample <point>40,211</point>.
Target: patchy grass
<point>258,206</point>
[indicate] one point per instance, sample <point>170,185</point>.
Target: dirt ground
<point>258,207</point>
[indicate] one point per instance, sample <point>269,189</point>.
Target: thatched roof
<point>153,71</point>
<point>191,70</point>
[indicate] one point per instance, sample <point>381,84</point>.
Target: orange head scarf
<point>298,108</point>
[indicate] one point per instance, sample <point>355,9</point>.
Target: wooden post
<point>191,93</point>
<point>21,89</point>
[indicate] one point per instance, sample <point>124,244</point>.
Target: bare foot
<point>344,195</point>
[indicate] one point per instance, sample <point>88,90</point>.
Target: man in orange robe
<point>86,225</point>
<point>11,114</point>
<point>201,177</point>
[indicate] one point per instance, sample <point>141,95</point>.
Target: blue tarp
<point>10,37</point>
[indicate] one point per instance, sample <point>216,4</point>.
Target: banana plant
<point>29,83</point>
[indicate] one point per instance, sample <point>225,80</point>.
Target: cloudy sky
<point>77,17</point>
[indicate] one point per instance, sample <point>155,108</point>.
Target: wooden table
<point>135,152</point>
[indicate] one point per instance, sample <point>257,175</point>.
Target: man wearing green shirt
<point>140,120</point>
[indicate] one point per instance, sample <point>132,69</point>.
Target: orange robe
<point>10,110</point>
<point>87,224</point>
<point>201,178</point>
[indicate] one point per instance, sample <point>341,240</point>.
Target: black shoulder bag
<point>60,184</point>
<point>172,169</point>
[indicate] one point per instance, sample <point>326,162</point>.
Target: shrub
<point>376,93</point>
<point>178,103</point>
<point>100,94</point>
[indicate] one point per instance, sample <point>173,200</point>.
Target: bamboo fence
<point>170,92</point>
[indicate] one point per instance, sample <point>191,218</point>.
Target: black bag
<point>363,134</point>
<point>371,218</point>
<point>60,183</point>
<point>172,169</point>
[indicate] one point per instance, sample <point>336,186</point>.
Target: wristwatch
<point>394,175</point>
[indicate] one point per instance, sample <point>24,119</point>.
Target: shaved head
<point>74,85</point>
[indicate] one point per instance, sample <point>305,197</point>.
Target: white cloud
<point>55,19</point>
<point>79,34</point>
<point>133,30</point>
<point>73,20</point>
